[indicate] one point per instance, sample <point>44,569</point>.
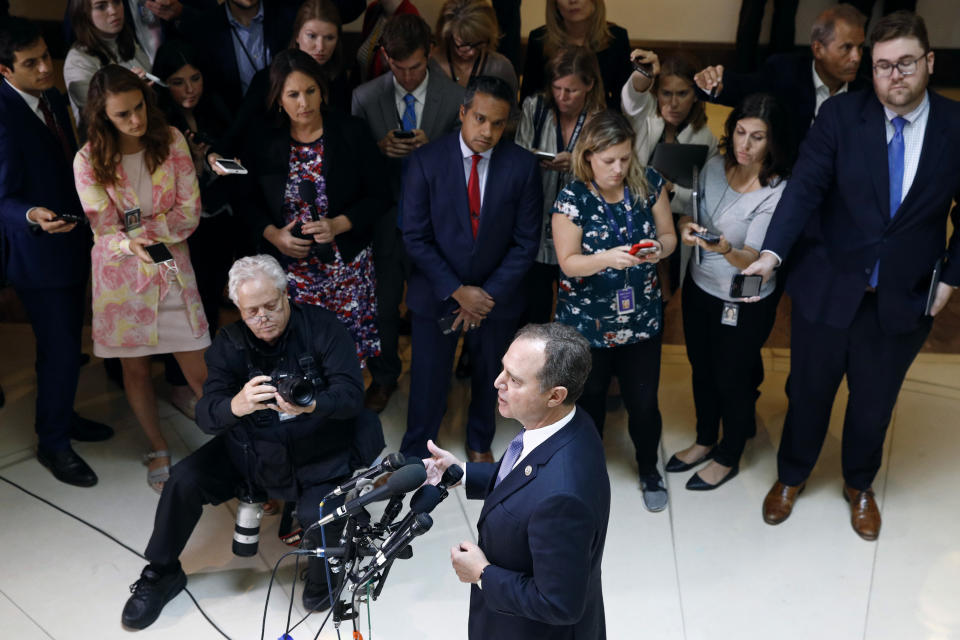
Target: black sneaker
<point>654,492</point>
<point>150,593</point>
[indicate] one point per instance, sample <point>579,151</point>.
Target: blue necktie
<point>510,457</point>
<point>409,120</point>
<point>408,123</point>
<point>895,166</point>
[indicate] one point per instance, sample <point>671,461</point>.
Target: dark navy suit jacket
<point>842,182</point>
<point>35,173</point>
<point>543,530</point>
<point>437,234</point>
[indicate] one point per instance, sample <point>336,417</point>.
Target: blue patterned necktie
<point>409,120</point>
<point>895,166</point>
<point>510,457</point>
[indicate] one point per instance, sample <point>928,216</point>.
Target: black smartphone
<point>446,324</point>
<point>745,286</point>
<point>644,68</point>
<point>72,218</point>
<point>403,135</point>
<point>159,252</point>
<point>706,236</point>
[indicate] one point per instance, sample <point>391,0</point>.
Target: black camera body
<point>294,388</point>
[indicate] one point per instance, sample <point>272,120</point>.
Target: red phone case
<point>646,244</point>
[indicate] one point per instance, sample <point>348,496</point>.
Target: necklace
<point>727,189</point>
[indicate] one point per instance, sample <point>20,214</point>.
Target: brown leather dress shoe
<point>864,513</point>
<point>779,502</point>
<point>479,456</point>
<point>378,396</point>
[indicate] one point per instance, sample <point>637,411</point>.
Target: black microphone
<point>393,547</point>
<point>428,497</point>
<point>403,480</point>
<point>391,462</point>
<point>308,193</point>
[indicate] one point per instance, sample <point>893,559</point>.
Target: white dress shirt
<point>419,96</point>
<point>913,133</point>
<point>533,438</point>
<point>483,165</point>
<point>822,91</point>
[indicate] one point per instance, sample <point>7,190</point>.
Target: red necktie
<point>473,194</point>
<point>55,129</point>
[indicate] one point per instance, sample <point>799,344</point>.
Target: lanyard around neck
<point>611,220</point>
<point>574,136</point>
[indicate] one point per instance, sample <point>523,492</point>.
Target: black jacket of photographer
<point>284,457</point>
<point>353,172</point>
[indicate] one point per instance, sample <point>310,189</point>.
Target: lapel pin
<point>528,470</point>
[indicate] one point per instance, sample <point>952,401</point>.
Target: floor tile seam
<point>16,457</point>
<point>673,543</point>
<point>26,615</point>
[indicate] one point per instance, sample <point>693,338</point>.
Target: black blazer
<point>210,32</point>
<point>352,169</point>
<point>543,530</point>
<point>34,172</point>
<point>841,182</point>
<point>615,67</point>
<point>788,77</point>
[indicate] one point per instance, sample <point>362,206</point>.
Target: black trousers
<point>782,30</point>
<point>539,289</point>
<point>637,367</point>
<point>430,371</point>
<point>207,476</point>
<point>391,265</point>
<point>508,17</point>
<point>875,365</point>
<point>723,360</point>
<point>56,317</point>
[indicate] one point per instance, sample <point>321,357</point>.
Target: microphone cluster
<point>366,551</point>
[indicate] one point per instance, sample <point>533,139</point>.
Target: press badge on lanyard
<point>626,301</point>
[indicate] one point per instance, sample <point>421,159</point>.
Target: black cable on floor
<point>107,535</point>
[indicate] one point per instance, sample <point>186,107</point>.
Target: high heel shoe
<point>675,464</point>
<point>696,483</point>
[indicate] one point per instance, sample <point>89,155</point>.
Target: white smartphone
<point>544,155</point>
<point>231,166</point>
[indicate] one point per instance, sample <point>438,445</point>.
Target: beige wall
<point>703,20</point>
<point>716,20</point>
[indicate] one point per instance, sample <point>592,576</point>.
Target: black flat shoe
<point>696,483</point>
<point>84,430</point>
<point>675,464</point>
<point>149,595</point>
<point>68,467</point>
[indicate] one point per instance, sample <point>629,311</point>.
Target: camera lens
<point>296,390</point>
<point>246,532</point>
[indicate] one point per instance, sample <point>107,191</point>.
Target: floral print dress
<point>346,288</point>
<point>589,304</point>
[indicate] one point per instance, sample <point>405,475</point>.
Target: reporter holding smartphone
<point>609,295</point>
<point>136,181</point>
<point>740,191</point>
<point>552,122</point>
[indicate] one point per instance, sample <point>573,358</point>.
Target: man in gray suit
<point>405,109</point>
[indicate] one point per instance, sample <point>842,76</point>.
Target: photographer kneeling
<point>293,446</point>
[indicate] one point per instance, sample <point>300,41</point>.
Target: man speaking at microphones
<point>536,571</point>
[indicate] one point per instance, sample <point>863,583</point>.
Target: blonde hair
<point>604,130</point>
<point>598,35</point>
<point>471,20</point>
<point>580,62</point>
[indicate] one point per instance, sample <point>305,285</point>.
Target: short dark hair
<point>285,63</point>
<point>16,34</point>
<point>491,86</point>
<point>567,358</point>
<point>825,26</point>
<point>900,24</point>
<point>404,34</point>
<point>779,159</point>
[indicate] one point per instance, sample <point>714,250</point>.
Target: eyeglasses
<point>460,46</point>
<point>884,69</point>
<point>264,313</point>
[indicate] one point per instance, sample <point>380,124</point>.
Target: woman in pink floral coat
<point>136,181</point>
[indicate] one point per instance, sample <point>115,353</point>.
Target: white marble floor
<point>706,568</point>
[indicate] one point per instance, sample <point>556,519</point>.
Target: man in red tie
<point>471,226</point>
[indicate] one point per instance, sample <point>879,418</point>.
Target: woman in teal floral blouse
<point>609,290</point>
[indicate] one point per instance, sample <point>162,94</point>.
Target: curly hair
<point>103,137</point>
